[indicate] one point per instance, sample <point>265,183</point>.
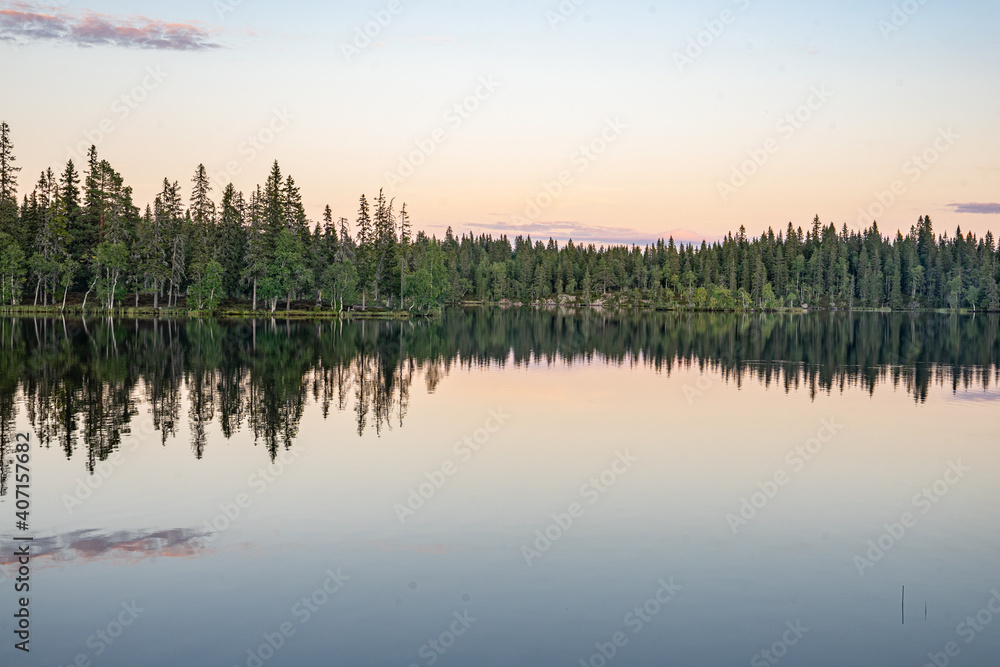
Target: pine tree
<point>162,226</point>
<point>202,234</point>
<point>324,253</point>
<point>273,209</point>
<point>404,243</point>
<point>365,250</point>
<point>112,254</point>
<point>48,238</point>
<point>232,244</point>
<point>383,247</point>
<point>274,205</point>
<point>178,235</point>
<point>345,247</point>
<point>284,269</point>
<point>257,244</point>
<point>202,206</point>
<point>140,251</point>
<point>87,233</point>
<point>13,262</point>
<point>69,184</point>
<point>8,185</point>
<point>296,248</point>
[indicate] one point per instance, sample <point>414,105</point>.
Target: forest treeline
<point>84,385</point>
<point>82,233</point>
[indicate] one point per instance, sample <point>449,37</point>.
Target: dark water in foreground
<point>506,487</point>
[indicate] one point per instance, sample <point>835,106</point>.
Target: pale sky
<point>604,121</point>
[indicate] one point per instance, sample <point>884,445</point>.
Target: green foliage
<point>8,184</point>
<point>110,264</point>
<point>288,266</point>
<point>13,269</point>
<point>264,248</point>
<point>207,290</point>
<point>340,279</point>
<point>232,240</point>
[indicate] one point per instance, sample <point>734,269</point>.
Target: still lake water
<point>507,487</point>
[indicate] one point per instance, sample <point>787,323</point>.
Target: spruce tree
<point>8,185</point>
<point>202,233</point>
<point>88,230</point>
<point>232,240</point>
<point>365,250</point>
<point>404,243</point>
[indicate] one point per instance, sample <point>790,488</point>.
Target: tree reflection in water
<point>84,384</point>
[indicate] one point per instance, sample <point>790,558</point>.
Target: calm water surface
<point>507,487</point>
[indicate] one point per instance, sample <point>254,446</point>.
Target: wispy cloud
<point>975,207</point>
<point>23,23</point>
<point>584,233</point>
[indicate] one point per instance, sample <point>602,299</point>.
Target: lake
<point>513,486</point>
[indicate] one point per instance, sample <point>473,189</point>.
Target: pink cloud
<point>22,25</point>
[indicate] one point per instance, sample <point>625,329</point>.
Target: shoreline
<point>384,314</point>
